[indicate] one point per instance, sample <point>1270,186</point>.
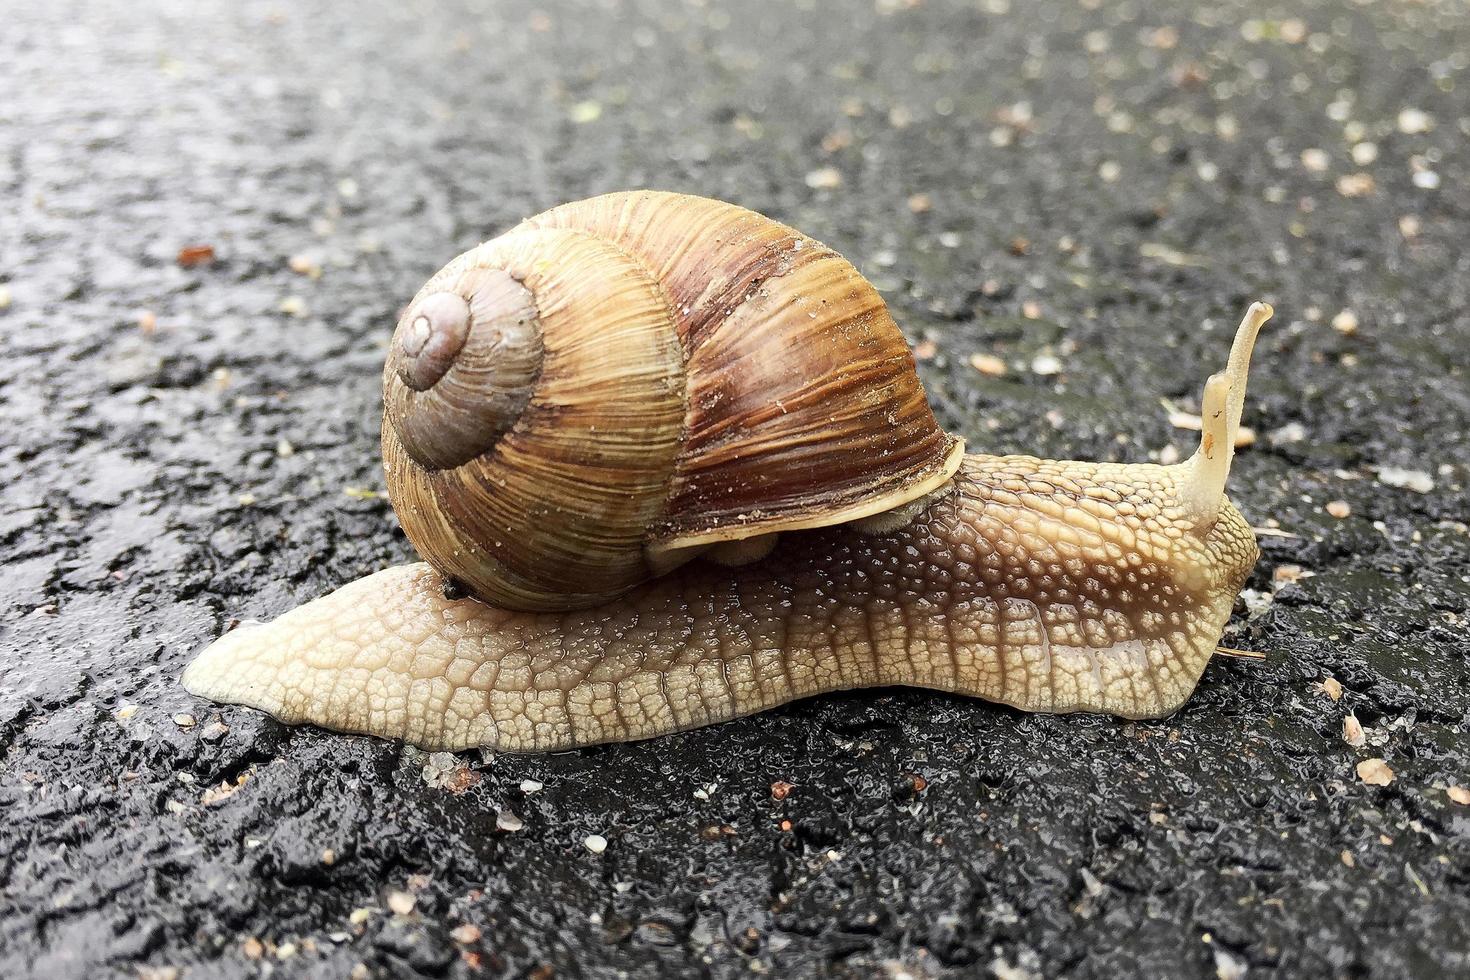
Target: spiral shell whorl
<point>533,468</point>
<point>462,366</point>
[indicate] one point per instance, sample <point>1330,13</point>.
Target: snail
<point>669,463</point>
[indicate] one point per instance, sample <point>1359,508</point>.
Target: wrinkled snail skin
<point>1047,586</point>
<point>678,458</point>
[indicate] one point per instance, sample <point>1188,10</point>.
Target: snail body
<point>678,456</point>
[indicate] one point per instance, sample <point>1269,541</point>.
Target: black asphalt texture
<point>1090,192</point>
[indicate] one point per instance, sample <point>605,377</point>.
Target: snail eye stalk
<point>1203,486</point>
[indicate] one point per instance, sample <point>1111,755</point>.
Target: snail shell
<point>613,386</point>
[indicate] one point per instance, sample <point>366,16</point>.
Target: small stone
<point>781,789</point>
<point>192,255</point>
<point>1346,857</point>
<point>529,786</point>
<point>253,948</point>
<point>185,720</point>
<point>1352,734</point>
<point>401,902</point>
<point>1413,121</point>
<point>586,111</point>
<point>1426,180</point>
<point>293,306</point>
<point>1109,171</point>
<point>1046,365</point>
<point>1415,480</point>
<point>305,265</point>
<point>1459,794</point>
<point>125,712</point>
<point>329,857</point>
<point>1365,153</point>
<point>1375,772</point>
<point>925,350</point>
<point>1339,509</point>
<point>285,951</point>
<point>1316,160</point>
<point>824,179</point>
<point>1332,688</point>
<point>1228,967</point>
<point>4,297</point>
<point>1031,310</point>
<point>465,934</point>
<point>147,322</point>
<point>1345,323</point>
<point>1291,432</point>
<point>988,364</point>
<point>596,843</point>
<point>920,203</point>
<point>1287,574</point>
<point>1356,185</point>
<point>508,822</point>
<point>1410,226</point>
<point>284,449</point>
<point>360,915</point>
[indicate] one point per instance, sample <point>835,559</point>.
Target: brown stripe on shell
<point>804,404</point>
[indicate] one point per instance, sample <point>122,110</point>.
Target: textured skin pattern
<point>1048,586</point>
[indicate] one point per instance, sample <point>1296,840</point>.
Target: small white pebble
<point>1375,772</point>
<point>465,934</point>
<point>400,902</point>
<point>1459,794</point>
<point>293,306</point>
<point>1415,480</point>
<point>284,449</point>
<point>596,843</point>
<point>1365,153</point>
<point>529,786</point>
<point>1415,121</point>
<point>4,297</point>
<point>1316,160</point>
<point>988,364</point>
<point>508,822</point>
<point>1426,180</point>
<point>1046,364</point>
<point>585,112</point>
<point>1345,323</point>
<point>1110,171</point>
<point>824,179</point>
<point>185,720</point>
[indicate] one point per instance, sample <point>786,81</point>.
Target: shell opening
<point>1202,489</point>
